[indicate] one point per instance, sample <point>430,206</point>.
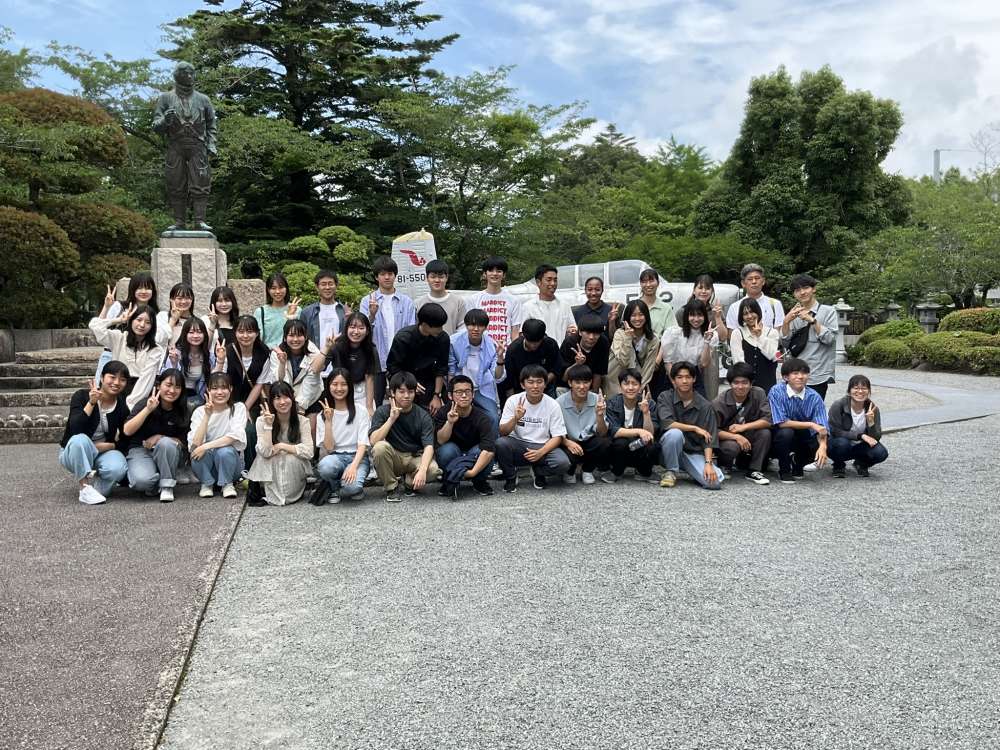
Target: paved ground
<point>98,605</point>
<point>829,614</point>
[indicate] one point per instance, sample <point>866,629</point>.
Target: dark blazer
<point>842,424</point>
<point>614,415</point>
<point>78,423</point>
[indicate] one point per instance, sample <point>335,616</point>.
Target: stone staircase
<point>35,391</point>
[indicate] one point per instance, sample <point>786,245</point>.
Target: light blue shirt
<point>581,423</point>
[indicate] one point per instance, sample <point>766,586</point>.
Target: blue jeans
<point>490,407</point>
<point>675,458</point>
<point>843,450</point>
<point>332,467</point>
<point>157,468</point>
<point>105,357</point>
<point>80,457</point>
<point>219,466</point>
<point>449,452</point>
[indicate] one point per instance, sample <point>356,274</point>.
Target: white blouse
<point>678,348</point>
<point>227,423</point>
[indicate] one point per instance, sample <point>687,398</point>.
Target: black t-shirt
<point>354,361</point>
<point>411,432</point>
<point>597,358</point>
<point>546,355</point>
<point>160,422</point>
<point>468,432</point>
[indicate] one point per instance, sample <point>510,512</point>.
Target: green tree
<point>804,176</point>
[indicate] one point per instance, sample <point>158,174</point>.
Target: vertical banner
<point>412,252</point>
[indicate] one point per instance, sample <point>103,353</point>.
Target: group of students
<point>410,392</point>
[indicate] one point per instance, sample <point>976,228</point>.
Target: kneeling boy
<point>690,436</point>
<point>586,439</point>
<point>800,422</point>
<point>465,441</point>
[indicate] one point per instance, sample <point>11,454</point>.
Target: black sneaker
<point>839,472</point>
<point>540,482</point>
<point>448,490</point>
<point>786,478</point>
<point>321,493</point>
<point>482,486</point>
<point>408,490</point>
<point>861,469</point>
<point>510,484</point>
<point>394,495</point>
<point>798,472</point>
<point>255,495</point>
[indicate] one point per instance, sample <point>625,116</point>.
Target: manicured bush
<point>308,246</point>
<point>351,289</point>
<point>982,319</point>
<point>894,329</point>
<point>984,360</point>
<point>333,236</point>
<point>300,280</point>
<point>889,352</point>
<point>951,350</point>
<point>103,228</point>
<point>37,260</point>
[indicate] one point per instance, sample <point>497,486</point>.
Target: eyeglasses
<point>463,392</point>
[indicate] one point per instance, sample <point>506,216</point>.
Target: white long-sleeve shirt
<point>556,314</point>
<point>227,423</point>
<point>143,364</point>
<point>167,336</point>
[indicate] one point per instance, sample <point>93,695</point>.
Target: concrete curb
<point>154,719</point>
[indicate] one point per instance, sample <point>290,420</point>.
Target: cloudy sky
<point>662,67</point>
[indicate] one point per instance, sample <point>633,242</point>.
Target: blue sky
<point>662,67</point>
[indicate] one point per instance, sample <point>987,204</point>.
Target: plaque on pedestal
<point>191,257</point>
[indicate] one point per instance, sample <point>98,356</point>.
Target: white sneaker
<point>167,495</point>
<point>90,496</point>
<point>229,491</point>
<point>207,490</point>
<point>588,477</point>
<point>757,478</point>
<point>810,467</point>
<point>609,477</point>
<point>570,478</point>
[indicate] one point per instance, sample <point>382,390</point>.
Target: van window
<point>592,269</point>
<point>567,277</point>
<point>625,272</point>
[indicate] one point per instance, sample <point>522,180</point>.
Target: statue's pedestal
<point>195,258</point>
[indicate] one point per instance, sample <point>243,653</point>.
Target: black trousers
<point>786,442</point>
<point>595,453</point>
<point>731,456</point>
<point>642,459</point>
<point>821,389</point>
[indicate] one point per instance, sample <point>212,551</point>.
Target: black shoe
<point>448,490</point>
<point>798,472</point>
<point>255,495</point>
<point>861,469</point>
<point>482,486</point>
<point>510,485</point>
<point>540,482</point>
<point>839,472</point>
<point>786,478</point>
<point>321,493</point>
<point>408,490</point>
<point>394,495</point>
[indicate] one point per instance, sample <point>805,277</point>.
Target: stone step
<point>32,411</point>
<point>79,354</point>
<point>23,435</point>
<point>51,369</point>
<point>16,399</point>
<point>47,383</point>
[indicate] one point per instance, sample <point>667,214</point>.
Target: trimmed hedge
<point>889,352</point>
<point>959,350</point>
<point>894,329</point>
<point>982,319</point>
<point>103,228</point>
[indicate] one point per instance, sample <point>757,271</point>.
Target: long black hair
<point>294,325</point>
<point>141,280</point>
<point>221,378</point>
<point>283,389</point>
<point>693,305</point>
<point>749,303</point>
<point>185,348</point>
<point>224,292</point>
<point>279,278</point>
<point>180,405</point>
<point>647,329</point>
<point>342,372</point>
<point>249,323</point>
<point>342,346</point>
<point>149,340</point>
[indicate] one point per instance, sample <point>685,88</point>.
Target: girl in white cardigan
<point>292,363</point>
<point>284,448</point>
<point>135,346</point>
<point>756,344</point>
<point>217,438</point>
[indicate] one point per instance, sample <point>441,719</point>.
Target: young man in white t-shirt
<point>437,280</point>
<point>557,315</point>
<point>502,307</point>
<point>532,429</point>
<point>324,319</point>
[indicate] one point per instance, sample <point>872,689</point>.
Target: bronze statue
<point>187,119</point>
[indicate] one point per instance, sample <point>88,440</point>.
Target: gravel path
<point>829,614</point>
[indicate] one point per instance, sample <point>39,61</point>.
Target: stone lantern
<point>927,315</point>
<point>892,311</point>
<point>843,310</point>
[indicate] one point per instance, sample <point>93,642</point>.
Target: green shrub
<point>308,246</point>
<point>855,354</point>
<point>333,236</point>
<point>37,262</point>
<point>351,289</point>
<point>894,329</point>
<point>949,350</point>
<point>889,352</point>
<point>102,270</point>
<point>982,319</point>
<point>103,228</point>
<point>300,277</point>
<point>984,360</point>
<point>351,252</point>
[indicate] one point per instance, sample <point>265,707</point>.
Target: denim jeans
<point>219,466</point>
<point>843,450</point>
<point>332,467</point>
<point>80,457</point>
<point>675,458</point>
<point>447,453</point>
<point>157,468</point>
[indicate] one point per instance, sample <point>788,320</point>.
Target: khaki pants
<point>390,464</point>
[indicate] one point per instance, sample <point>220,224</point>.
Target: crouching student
<point>743,414</point>
<point>292,362</point>
<point>531,431</point>
<point>217,437</point>
<point>632,425</point>
<point>586,440</point>
<point>342,435</point>
<point>481,359</point>
<point>466,441</point>
<point>402,440</point>
<point>156,431</point>
<point>800,424</point>
<point>856,429</point>
<point>690,436</point>
<point>284,448</point>
<point>92,441</point>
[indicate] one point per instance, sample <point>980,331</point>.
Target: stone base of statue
<point>193,257</point>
